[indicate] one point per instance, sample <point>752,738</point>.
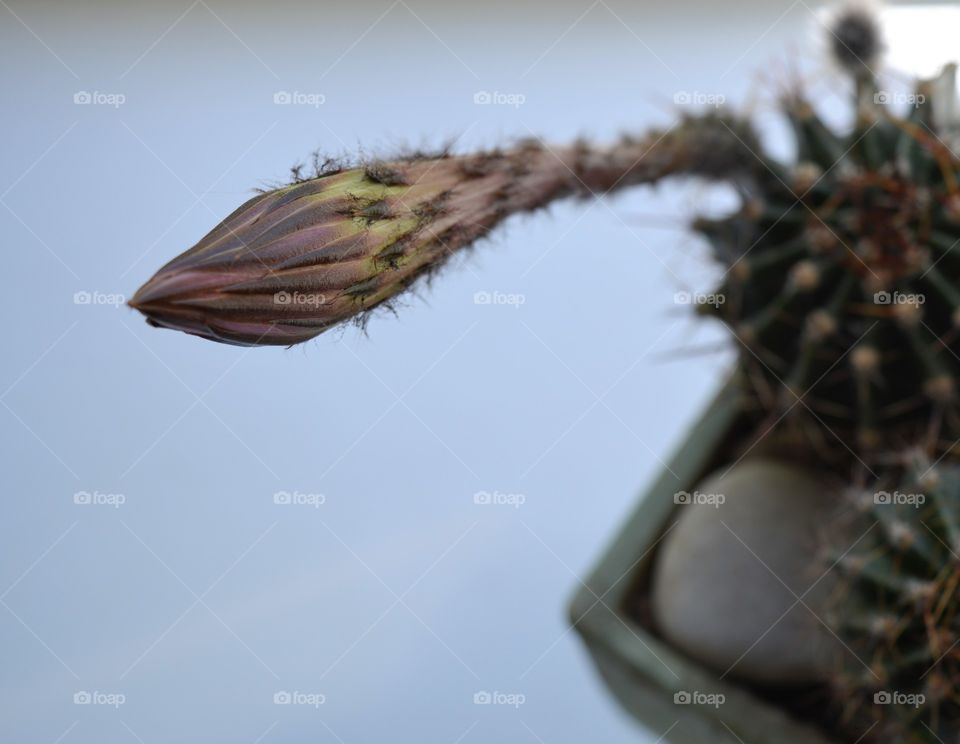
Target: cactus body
<point>841,274</point>
<point>899,611</point>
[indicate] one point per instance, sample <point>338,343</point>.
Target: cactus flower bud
<point>297,260</point>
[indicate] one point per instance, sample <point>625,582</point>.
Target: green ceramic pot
<point>670,694</point>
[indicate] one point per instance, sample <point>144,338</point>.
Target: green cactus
<point>839,284</point>
<point>840,277</point>
<point>898,611</point>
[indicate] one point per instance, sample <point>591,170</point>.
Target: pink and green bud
<point>295,261</point>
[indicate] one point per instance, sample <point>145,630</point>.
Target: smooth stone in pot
<point>728,575</point>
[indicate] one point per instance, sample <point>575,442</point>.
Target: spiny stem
<point>295,261</point>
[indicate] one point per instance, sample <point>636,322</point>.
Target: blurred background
<point>365,537</point>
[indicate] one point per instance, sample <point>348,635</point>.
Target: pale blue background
<point>398,598</point>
